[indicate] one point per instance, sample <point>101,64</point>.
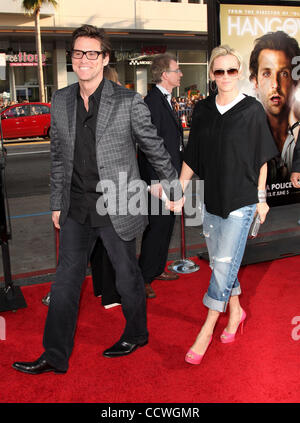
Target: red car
<point>23,120</point>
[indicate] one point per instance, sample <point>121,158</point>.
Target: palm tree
<point>33,7</point>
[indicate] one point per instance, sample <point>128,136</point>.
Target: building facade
<point>138,29</point>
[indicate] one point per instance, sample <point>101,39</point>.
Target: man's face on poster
<point>274,81</point>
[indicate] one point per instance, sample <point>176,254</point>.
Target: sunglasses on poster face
<point>218,73</point>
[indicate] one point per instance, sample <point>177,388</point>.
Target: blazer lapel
<point>169,108</point>
<point>174,116</point>
<point>105,109</point>
<point>71,111</point>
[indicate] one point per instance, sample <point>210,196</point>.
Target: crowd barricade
<point>185,116</point>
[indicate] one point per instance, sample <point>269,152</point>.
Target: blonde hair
<point>223,50</point>
<point>111,74</point>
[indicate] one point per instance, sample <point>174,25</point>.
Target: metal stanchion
<point>183,265</point>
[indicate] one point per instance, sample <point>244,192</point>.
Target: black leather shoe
<point>122,348</point>
<point>36,367</point>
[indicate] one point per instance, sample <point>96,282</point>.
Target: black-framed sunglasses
<point>218,73</point>
<point>90,54</point>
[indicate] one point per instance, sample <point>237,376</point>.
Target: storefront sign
<point>125,55</point>
<point>135,62</point>
<point>145,51</point>
<point>25,64</point>
<point>24,59</point>
<point>149,51</point>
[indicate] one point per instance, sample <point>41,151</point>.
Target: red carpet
<point>262,366</point>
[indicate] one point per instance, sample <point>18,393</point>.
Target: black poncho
<point>227,151</point>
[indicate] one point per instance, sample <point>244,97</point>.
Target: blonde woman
<point>111,74</point>
<point>229,145</point>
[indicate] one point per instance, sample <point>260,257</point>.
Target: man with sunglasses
<point>167,75</point>
<point>95,125</point>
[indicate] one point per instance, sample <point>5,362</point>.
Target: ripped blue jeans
<point>226,241</point>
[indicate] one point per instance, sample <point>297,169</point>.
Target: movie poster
<point>268,38</point>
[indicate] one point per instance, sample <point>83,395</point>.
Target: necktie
<point>177,119</point>
<point>167,97</point>
<point>172,105</point>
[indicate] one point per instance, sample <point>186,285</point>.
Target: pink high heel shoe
<point>227,337</point>
<point>194,358</point>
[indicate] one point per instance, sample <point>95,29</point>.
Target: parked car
<point>23,120</point>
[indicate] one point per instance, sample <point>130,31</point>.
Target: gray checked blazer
<point>123,120</point>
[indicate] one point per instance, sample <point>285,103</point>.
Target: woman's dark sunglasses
<point>221,72</point>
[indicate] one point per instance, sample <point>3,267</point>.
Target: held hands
<point>295,179</point>
<point>262,209</point>
<point>175,206</point>
<point>157,191</point>
<point>55,219</point>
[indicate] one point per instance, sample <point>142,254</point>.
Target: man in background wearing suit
<point>95,125</point>
<point>156,238</point>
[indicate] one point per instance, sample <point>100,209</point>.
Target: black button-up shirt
<point>85,170</point>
